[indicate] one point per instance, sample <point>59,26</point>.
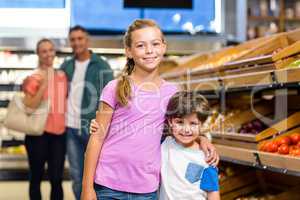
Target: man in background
<point>87,74</point>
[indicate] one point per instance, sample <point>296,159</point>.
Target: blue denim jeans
<point>76,146</point>
<point>104,193</point>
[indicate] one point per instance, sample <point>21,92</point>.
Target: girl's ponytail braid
<point>123,87</point>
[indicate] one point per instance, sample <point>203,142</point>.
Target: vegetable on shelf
<point>285,145</point>
<point>253,127</point>
<point>294,64</point>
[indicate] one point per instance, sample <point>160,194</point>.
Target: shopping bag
<point>23,119</point>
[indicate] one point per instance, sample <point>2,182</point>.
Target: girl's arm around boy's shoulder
<point>108,94</point>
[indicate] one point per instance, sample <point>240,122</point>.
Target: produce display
<point>225,172</point>
<point>294,64</point>
<point>15,150</point>
<point>253,127</point>
<point>229,123</point>
<point>286,145</point>
<point>258,196</point>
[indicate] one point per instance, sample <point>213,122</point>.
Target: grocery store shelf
<point>15,167</point>
<point>17,68</point>
<point>235,136</point>
<point>249,61</point>
<point>267,161</point>
<point>292,19</point>
<point>11,142</point>
<point>4,103</point>
<point>263,18</point>
<point>263,80</point>
<point>10,87</point>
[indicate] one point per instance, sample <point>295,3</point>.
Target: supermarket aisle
<point>19,190</point>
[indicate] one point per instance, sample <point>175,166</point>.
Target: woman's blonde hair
<point>123,87</point>
<point>37,48</point>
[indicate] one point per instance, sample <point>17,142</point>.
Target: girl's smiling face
<point>185,130</point>
<point>147,48</point>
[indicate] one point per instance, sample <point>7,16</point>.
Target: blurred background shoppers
<point>87,74</point>
<point>46,83</point>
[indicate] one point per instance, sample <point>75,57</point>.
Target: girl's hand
<point>212,157</point>
<point>94,127</point>
<point>88,194</point>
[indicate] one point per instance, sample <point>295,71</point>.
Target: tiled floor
<point>19,190</point>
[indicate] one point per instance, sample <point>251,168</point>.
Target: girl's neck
<point>140,76</point>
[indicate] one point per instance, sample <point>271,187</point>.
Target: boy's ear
<point>170,122</point>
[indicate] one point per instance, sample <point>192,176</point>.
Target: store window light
<point>47,18</point>
<point>105,15</point>
<point>176,18</point>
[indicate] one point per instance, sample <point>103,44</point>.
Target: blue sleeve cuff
<point>209,180</point>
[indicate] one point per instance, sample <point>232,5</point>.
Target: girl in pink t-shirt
<point>123,157</point>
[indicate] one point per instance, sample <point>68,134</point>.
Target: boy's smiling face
<point>185,129</point>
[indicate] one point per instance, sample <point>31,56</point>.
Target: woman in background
<point>46,83</point>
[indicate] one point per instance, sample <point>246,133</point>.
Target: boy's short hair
<point>184,103</point>
<point>78,28</point>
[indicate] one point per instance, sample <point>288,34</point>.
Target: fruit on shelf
<point>295,138</point>
<point>283,140</point>
<point>271,147</point>
<point>294,64</point>
<point>258,197</point>
<point>284,149</point>
<point>19,150</point>
<point>294,151</point>
<point>253,127</point>
<point>285,145</point>
<point>225,172</point>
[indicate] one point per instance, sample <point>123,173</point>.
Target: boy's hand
<point>212,157</point>
<point>94,127</point>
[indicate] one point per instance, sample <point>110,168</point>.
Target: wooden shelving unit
<point>237,80</point>
<point>263,18</point>
<point>267,161</point>
<point>261,13</point>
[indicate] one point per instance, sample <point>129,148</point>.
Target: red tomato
<point>295,138</point>
<point>271,147</point>
<point>298,144</point>
<point>295,152</point>
<point>262,147</point>
<point>266,146</point>
<point>283,140</point>
<point>292,148</point>
<point>283,149</point>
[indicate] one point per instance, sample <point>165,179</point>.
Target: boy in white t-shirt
<point>184,173</point>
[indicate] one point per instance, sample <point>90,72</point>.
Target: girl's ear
<point>128,52</point>
<point>164,47</point>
